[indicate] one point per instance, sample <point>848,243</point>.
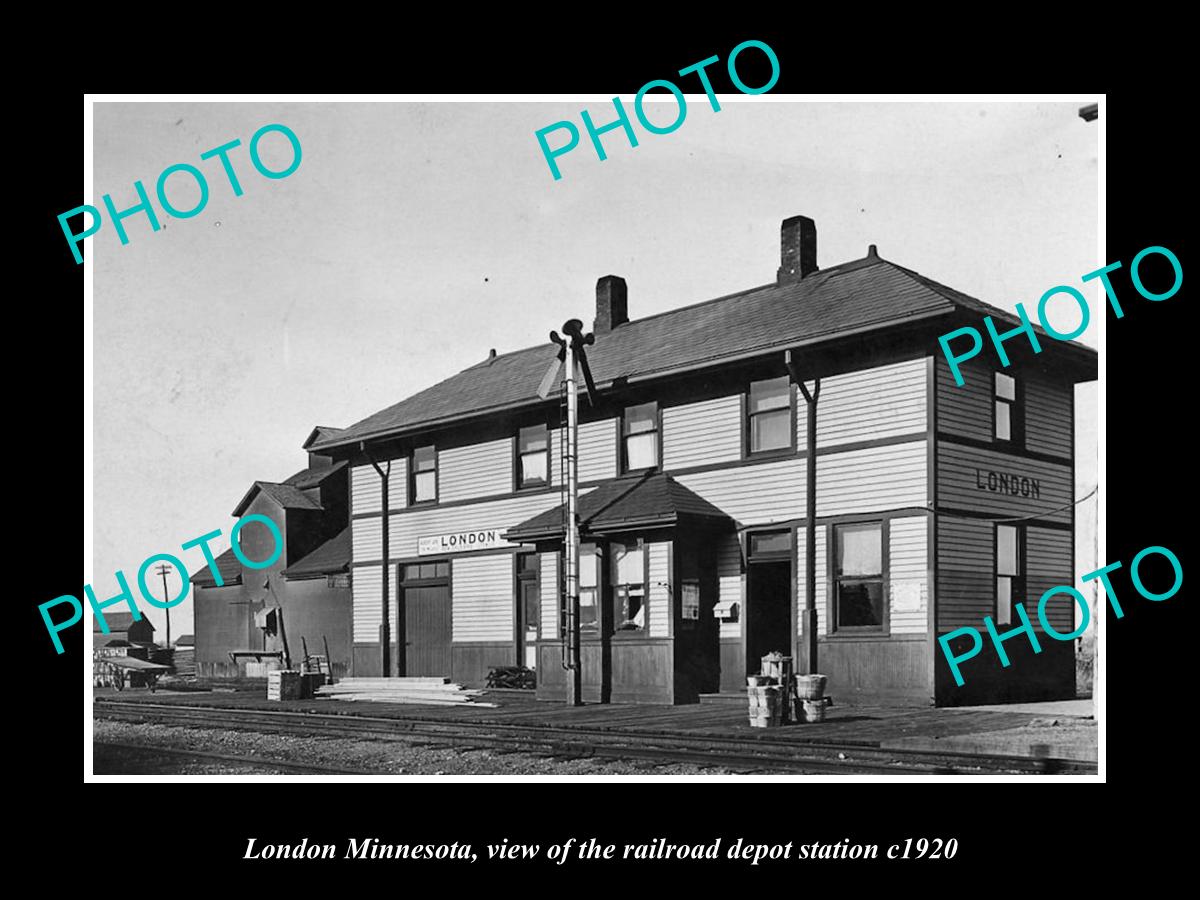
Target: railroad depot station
<point>936,505</point>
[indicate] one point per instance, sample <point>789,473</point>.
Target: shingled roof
<point>287,496</point>
<point>229,567</point>
<point>635,501</point>
<point>331,557</point>
<point>309,478</point>
<point>856,297</point>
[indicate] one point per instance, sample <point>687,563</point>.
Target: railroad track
<point>660,748</point>
<point>264,762</point>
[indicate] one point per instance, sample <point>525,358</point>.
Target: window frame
<point>412,476</point>
<point>610,592</point>
<point>1017,582</point>
<point>590,631</point>
<point>747,422</point>
<point>623,438</point>
<point>1016,411</point>
<point>518,485</point>
<point>833,581</point>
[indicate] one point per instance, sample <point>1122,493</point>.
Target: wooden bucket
<point>764,705</point>
<point>810,687</point>
<point>812,711</point>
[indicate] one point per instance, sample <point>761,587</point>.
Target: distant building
<point>121,627</point>
<point>304,594</point>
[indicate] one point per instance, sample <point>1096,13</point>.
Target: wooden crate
<point>285,684</point>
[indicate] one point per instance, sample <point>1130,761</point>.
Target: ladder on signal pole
<point>564,453</point>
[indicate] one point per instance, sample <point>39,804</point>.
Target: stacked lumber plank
<point>421,691</point>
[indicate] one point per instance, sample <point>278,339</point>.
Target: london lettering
<point>1003,483</point>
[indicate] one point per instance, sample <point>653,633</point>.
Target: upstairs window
<point>1006,407</point>
<point>770,415</point>
<point>628,586</point>
<point>423,482</point>
<point>858,577</point>
<point>533,457</point>
<point>640,429</point>
<point>1009,576</point>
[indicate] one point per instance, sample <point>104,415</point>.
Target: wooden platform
<point>868,727</point>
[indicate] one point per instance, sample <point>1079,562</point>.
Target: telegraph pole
<point>163,569</point>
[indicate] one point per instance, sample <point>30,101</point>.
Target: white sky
<point>414,237</point>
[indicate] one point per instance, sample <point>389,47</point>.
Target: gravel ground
<point>393,757</point>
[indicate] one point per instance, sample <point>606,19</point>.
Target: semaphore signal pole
<point>571,353</point>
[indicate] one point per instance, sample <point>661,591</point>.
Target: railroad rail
<point>262,762</point>
<point>659,748</point>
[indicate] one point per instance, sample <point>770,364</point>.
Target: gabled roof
<point>287,496</point>
<point>229,567</point>
<point>320,433</point>
<point>652,500</point>
<point>117,621</point>
<point>856,297</point>
<point>332,556</point>
<point>310,478</point>
<point>186,640</point>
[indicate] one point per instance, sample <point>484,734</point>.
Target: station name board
<point>1008,483</point>
<point>460,541</point>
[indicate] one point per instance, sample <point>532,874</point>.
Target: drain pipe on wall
<point>385,632</point>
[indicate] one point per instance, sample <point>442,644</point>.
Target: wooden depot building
<point>936,504</point>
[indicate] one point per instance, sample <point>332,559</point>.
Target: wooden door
<point>427,631</point>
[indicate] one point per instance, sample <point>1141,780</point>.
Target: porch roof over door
<point>651,500</point>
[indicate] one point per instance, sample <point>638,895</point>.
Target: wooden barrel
<point>812,710</point>
<point>764,705</point>
<point>810,687</point>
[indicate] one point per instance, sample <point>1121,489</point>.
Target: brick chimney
<point>612,304</point>
<point>797,249</point>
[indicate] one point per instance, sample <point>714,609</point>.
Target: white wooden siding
<point>597,451</point>
<point>477,470</point>
<point>729,581</point>
<point>908,578</point>
<point>1048,406</point>
<point>966,589</point>
<point>802,579</point>
<point>367,591</point>
<point>482,595</point>
<point>366,539</point>
<point>1049,561</point>
<point>885,401</point>
<point>549,590</point>
<point>659,593</point>
<point>874,479</point>
<point>697,434</point>
<point>365,486</point>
